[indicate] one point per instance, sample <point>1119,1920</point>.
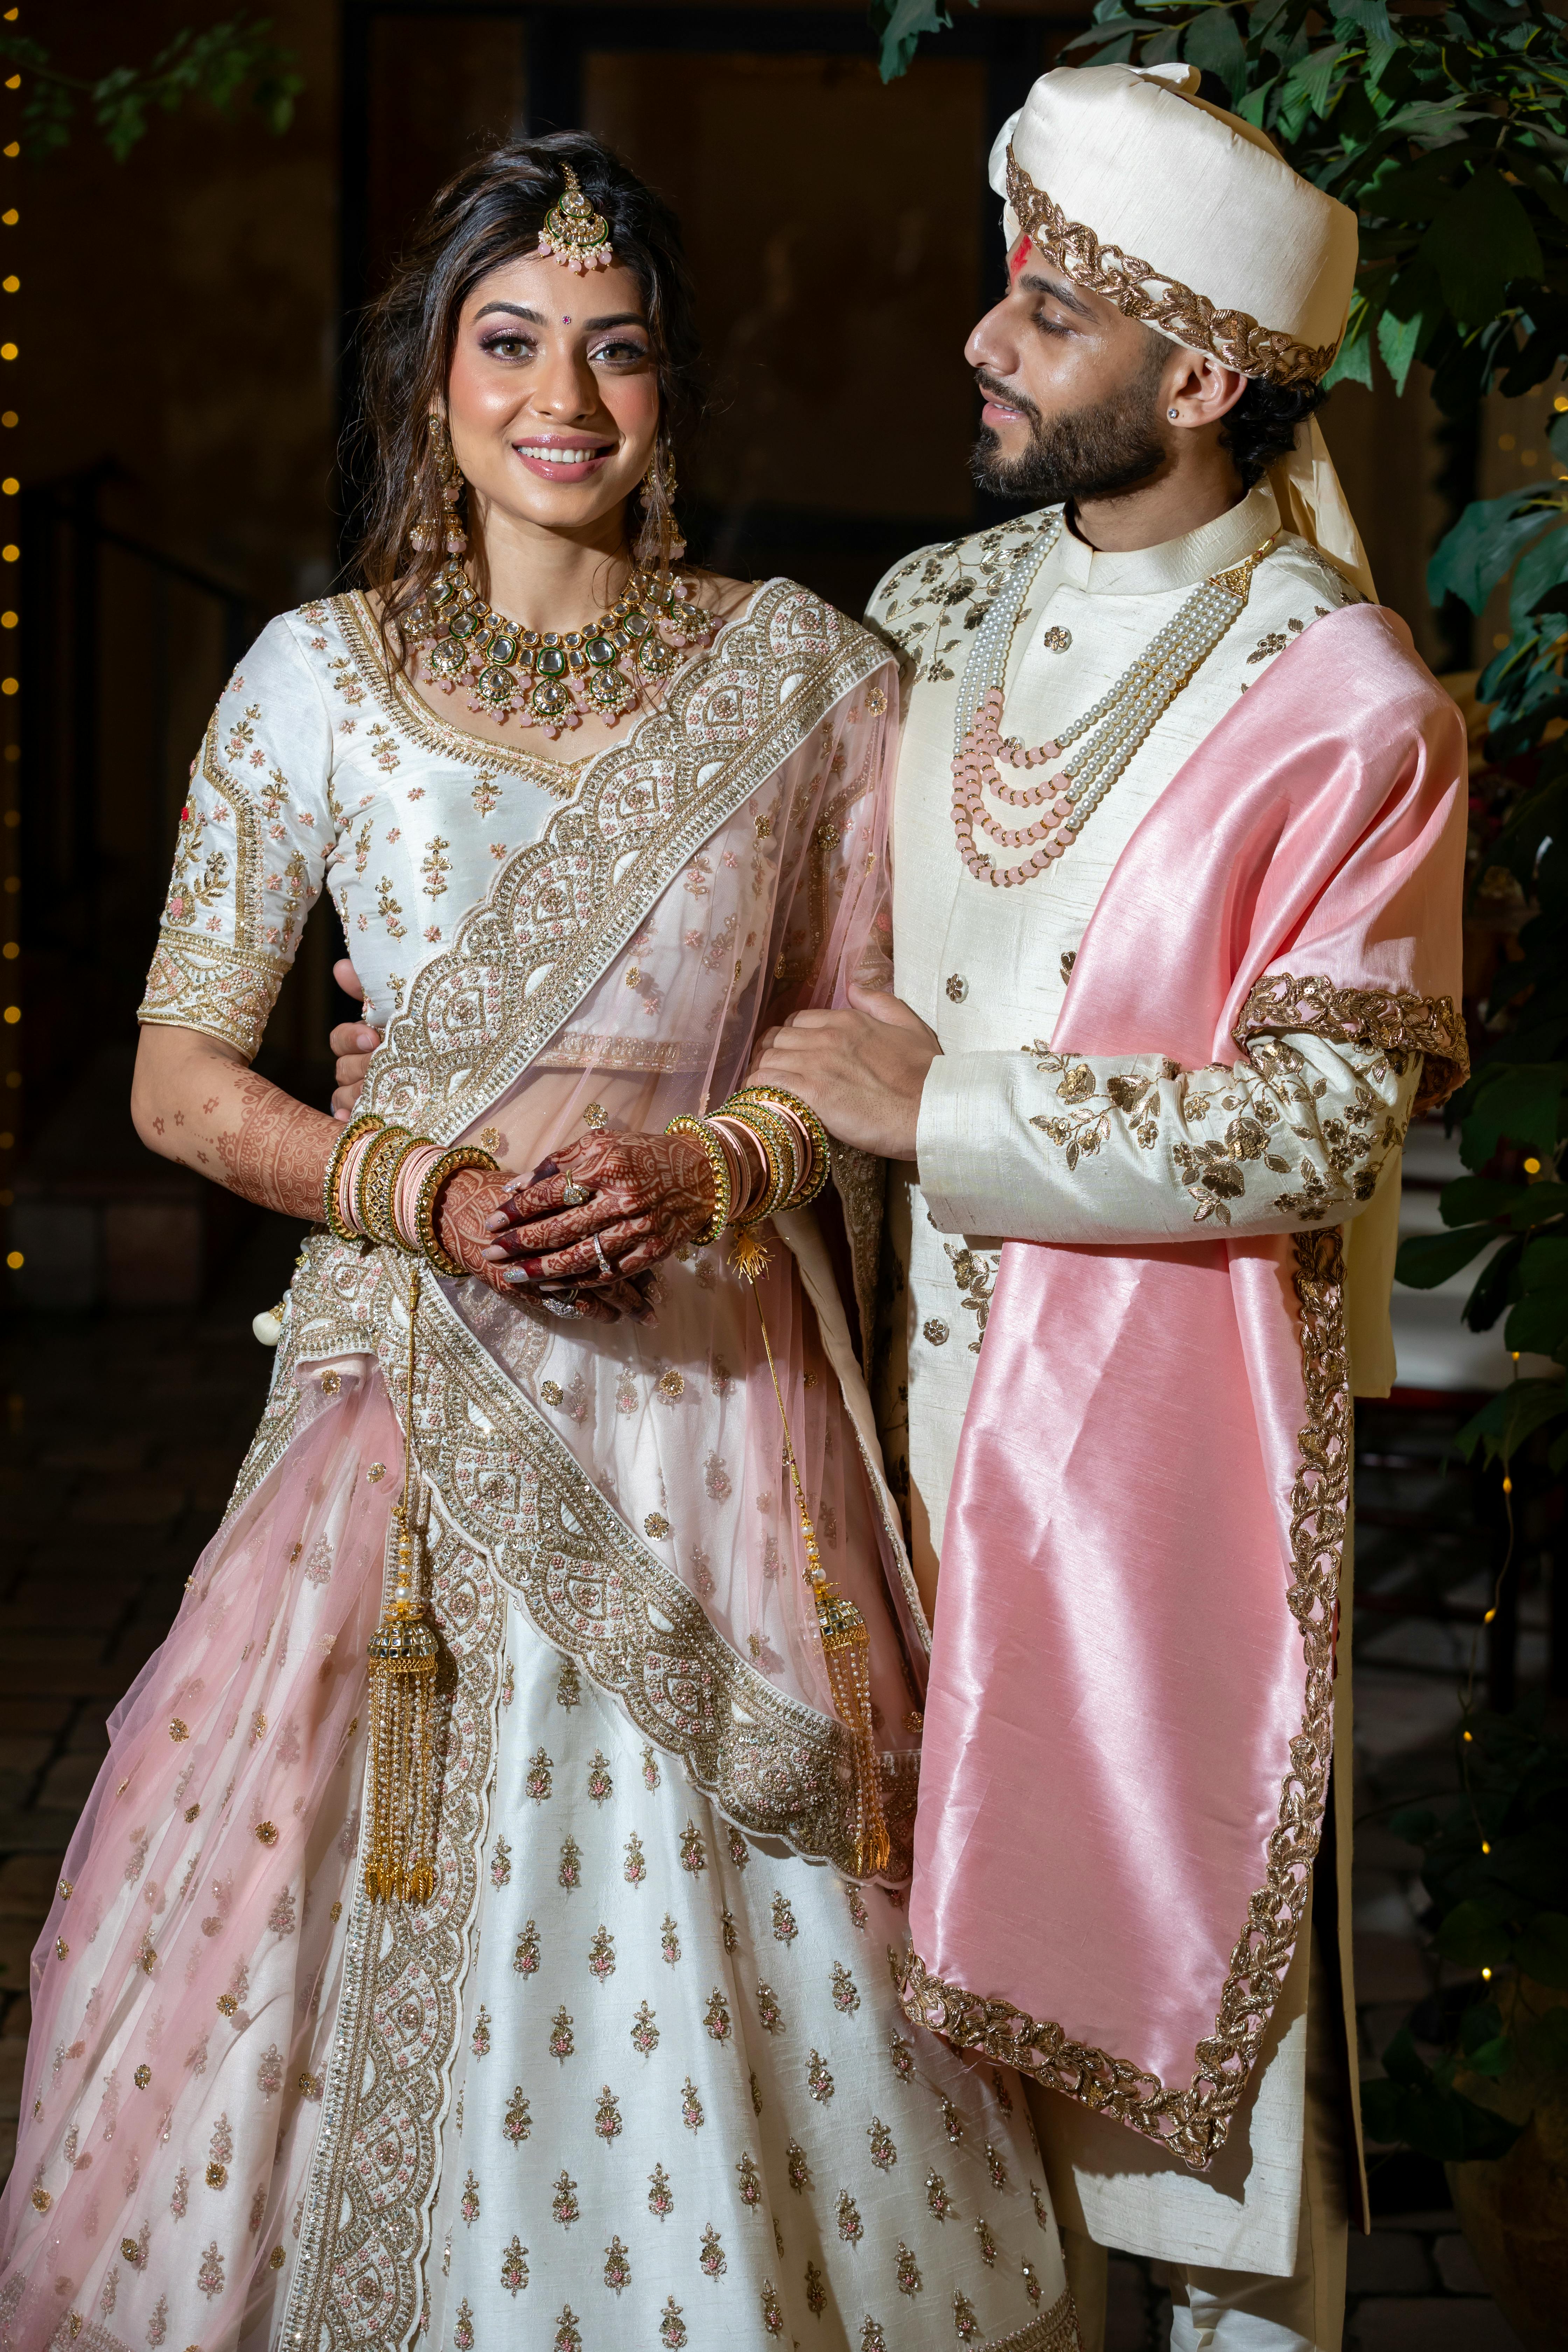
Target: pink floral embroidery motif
<point>525,1959</point>
<point>659,2200</point>
<point>516,2123</point>
<point>637,1868</point>
<point>500,1866</point>
<point>711,2261</point>
<point>645,2032</point>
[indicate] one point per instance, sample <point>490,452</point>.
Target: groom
<point>1177,845</point>
<point>1177,849</point>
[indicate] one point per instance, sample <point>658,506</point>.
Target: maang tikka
<point>577,235</point>
<point>423,537</point>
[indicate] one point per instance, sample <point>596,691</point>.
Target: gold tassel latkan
<point>400,1848</point>
<point>846,1644</point>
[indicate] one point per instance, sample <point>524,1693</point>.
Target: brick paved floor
<point>120,1437</point>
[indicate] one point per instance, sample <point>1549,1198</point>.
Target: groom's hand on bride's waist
<point>861,1070</point>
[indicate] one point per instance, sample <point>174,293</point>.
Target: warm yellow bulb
<point>8,620</point>
<point>14,148</point>
<point>13,284</point>
<point>1561,405</point>
<point>1485,1846</point>
<point>1487,1618</point>
<point>11,217</point>
<point>12,1014</point>
<point>9,351</point>
<point>10,950</point>
<point>1508,1485</point>
<point>10,485</point>
<point>10,552</point>
<point>9,417</point>
<point>1532,1167</point>
<point>14,81</point>
<point>1505,440</point>
<point>1469,1734</point>
<point>1486,1976</point>
<point>15,1260</point>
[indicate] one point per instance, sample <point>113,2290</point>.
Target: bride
<point>534,1977</point>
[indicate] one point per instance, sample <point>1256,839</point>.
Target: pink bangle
<point>752,1169</point>
<point>348,1181</point>
<point>412,1171</point>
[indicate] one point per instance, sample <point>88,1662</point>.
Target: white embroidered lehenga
<point>636,2075</point>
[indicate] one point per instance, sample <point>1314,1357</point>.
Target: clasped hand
<point>862,1070</point>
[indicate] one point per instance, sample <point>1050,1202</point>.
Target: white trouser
<point>1248,2310</point>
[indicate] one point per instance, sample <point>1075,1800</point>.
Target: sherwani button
<point>936,1331</point>
<point>957,987</point>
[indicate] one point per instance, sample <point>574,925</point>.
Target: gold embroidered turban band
<point>1249,262</point>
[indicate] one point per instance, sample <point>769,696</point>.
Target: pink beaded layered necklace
<point>1103,742</point>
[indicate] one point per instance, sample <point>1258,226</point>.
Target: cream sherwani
<point>988,969</point>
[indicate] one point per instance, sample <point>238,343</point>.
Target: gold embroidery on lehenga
<point>1192,2120</point>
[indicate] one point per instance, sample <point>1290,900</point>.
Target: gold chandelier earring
<point>439,523</point>
<point>658,542</point>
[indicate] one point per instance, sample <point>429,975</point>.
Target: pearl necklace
<point>1109,735</point>
<point>552,679</point>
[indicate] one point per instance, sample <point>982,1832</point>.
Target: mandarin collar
<point>1177,562</point>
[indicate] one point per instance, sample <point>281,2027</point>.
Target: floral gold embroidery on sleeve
<point>1273,1111</point>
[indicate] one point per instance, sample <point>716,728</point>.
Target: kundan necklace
<point>1106,737</point>
<point>552,678</point>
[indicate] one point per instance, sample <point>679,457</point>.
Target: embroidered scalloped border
<point>1392,1020</point>
<point>525,977</point>
<point>1192,2120</point>
<point>1140,291</point>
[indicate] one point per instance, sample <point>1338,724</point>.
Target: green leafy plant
<point>1447,134</point>
<point>229,65</point>
<point>1495,1869</point>
<point>899,25</point>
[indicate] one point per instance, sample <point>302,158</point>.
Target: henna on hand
<point>652,1194</point>
<point>466,1211</point>
<point>277,1152</point>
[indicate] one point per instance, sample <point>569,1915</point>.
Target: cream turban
<point>1190,219</point>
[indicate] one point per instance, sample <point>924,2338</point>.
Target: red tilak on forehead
<point>1016,258</point>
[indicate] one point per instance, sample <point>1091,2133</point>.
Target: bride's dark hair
<point>492,212</point>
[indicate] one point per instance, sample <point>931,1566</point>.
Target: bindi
<point>566,318</point>
<point>1019,255</point>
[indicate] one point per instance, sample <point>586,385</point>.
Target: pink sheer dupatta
<point>183,1987</point>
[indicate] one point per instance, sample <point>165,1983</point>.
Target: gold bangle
<point>724,1189</point>
<point>794,1156</point>
<point>821,1147</point>
<point>464,1155</point>
<point>373,1191</point>
<point>767,1133</point>
<point>351,1135</point>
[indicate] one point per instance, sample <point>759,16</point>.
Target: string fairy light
<point>10,688</point>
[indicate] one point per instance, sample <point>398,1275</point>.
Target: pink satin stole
<point>1117,1675</point>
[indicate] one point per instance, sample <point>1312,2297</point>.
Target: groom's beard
<point>1091,453</point>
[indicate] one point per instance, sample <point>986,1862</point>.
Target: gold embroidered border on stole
<point>1393,1020</point>
<point>1192,2120</point>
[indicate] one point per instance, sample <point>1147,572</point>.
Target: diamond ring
<point>576,1194</point>
<point>606,1268</point>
